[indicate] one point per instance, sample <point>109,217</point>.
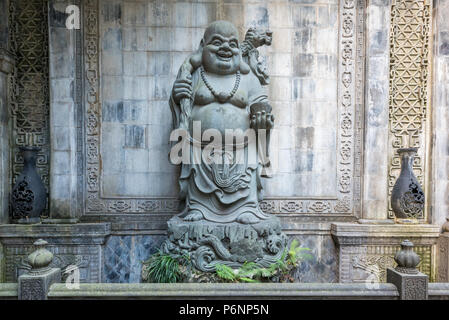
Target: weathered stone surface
<point>375,157</point>
<point>440,175</point>
<point>123,256</point>
<point>64,100</point>
<point>365,251</point>
<point>226,291</point>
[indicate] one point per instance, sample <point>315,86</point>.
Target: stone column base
<point>410,286</point>
<point>365,251</point>
<point>36,286</point>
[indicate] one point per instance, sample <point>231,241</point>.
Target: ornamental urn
<point>28,196</point>
<point>407,197</point>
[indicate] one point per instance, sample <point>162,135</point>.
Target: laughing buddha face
<point>221,51</point>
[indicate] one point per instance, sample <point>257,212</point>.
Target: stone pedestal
<point>209,243</point>
<point>365,251</point>
<point>410,286</point>
<point>36,286</point>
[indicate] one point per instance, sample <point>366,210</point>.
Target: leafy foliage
<point>164,268</point>
<point>279,271</point>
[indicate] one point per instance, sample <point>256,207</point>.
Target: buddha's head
<point>221,52</point>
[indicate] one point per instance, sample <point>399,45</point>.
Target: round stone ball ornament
<point>41,258</point>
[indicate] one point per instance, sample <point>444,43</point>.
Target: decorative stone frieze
<point>366,251</point>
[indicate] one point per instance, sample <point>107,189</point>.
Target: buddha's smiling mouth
<point>224,55</point>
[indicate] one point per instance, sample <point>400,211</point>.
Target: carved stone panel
<point>368,264</point>
<point>28,83</point>
<point>409,75</point>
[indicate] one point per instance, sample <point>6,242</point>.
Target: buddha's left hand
<point>262,120</point>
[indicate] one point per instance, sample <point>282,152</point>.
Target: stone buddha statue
<point>217,90</point>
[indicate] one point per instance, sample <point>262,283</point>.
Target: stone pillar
<point>439,185</point>
<point>6,66</point>
<point>63,102</point>
<point>376,112</point>
<point>35,284</point>
<point>411,284</point>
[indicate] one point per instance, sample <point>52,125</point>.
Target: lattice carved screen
<point>409,78</point>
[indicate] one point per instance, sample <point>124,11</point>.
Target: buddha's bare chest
<point>204,96</point>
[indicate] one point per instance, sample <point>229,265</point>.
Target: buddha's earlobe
<point>196,58</point>
<point>244,67</point>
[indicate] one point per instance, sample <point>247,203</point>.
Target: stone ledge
<point>365,234</point>
<point>438,291</point>
<point>82,233</point>
<point>8,291</point>
<point>224,291</point>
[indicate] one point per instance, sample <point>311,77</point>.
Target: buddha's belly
<point>220,117</point>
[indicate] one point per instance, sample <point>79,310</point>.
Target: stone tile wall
<point>143,44</point>
<point>123,256</point>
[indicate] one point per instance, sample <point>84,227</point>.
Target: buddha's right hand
<point>182,89</point>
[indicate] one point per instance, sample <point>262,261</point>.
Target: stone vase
<point>28,196</point>
<point>407,198</point>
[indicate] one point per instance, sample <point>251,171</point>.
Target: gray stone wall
<point>439,185</point>
<point>4,149</point>
<point>124,254</point>
<point>64,110</point>
<point>143,44</point>
<point>375,200</point>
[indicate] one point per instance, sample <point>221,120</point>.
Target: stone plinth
<point>410,286</point>
<point>232,244</point>
<point>36,286</point>
<point>365,251</point>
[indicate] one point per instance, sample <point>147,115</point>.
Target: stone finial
<point>40,258</point>
<point>407,259</point>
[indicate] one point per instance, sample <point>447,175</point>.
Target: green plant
<point>164,268</point>
<point>170,268</point>
<point>280,270</point>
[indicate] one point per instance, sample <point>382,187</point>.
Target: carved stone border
<point>350,125</point>
<point>373,260</point>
